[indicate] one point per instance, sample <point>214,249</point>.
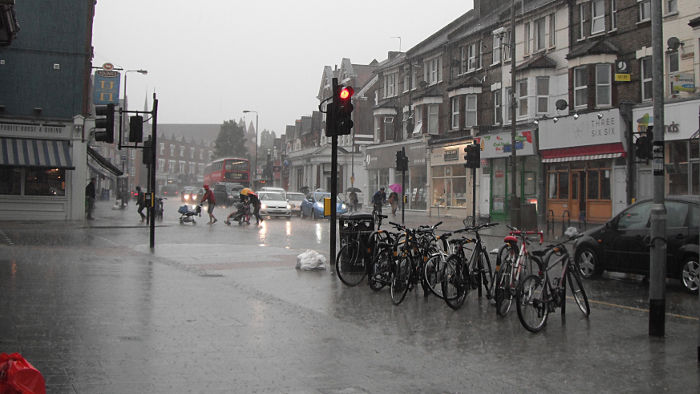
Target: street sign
<point>106,87</point>
<point>623,77</point>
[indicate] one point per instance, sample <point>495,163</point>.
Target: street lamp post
<point>255,163</point>
<point>126,104</point>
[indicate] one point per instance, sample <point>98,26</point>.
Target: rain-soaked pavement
<point>221,309</point>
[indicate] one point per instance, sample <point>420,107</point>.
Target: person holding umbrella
<point>249,194</point>
<point>378,199</point>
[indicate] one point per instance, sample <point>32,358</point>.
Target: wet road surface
<point>222,309</point>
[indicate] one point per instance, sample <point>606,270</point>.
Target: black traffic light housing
<point>104,125</point>
<point>473,156</point>
<point>643,145</point>
<point>136,128</point>
<point>339,110</point>
<point>401,160</point>
<point>345,107</point>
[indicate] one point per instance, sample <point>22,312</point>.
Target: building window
<point>673,62</point>
<point>462,60</point>
<point>182,151</point>
<point>597,16</point>
<point>506,40</point>
<point>526,38</point>
<point>496,49</point>
<point>542,95</point>
<point>172,150</point>
<point>522,97</point>
<point>162,148</point>
<point>454,103</point>
<point>470,111</point>
<point>508,103</point>
<point>389,134</point>
<point>414,78</point>
<point>497,107</point>
<point>390,84</point>
<point>644,10</point>
<point>192,153</point>
<point>613,14</point>
<point>450,186</point>
<point>671,6</point>
<point>171,166</point>
<point>582,15</point>
<point>580,87</point>
<point>404,124</point>
<point>558,183</point>
<point>433,70</point>
<point>540,32</point>
<point>474,56</point>
<point>553,30</point>
<point>646,79</point>
<point>182,167</point>
<point>603,87</point>
<point>433,119</point>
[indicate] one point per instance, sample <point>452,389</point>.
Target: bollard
<point>564,226</point>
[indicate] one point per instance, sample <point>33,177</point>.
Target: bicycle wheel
<point>502,293</point>
<point>454,283</point>
<point>380,274</point>
<point>577,290</point>
<point>400,279</point>
<point>432,274</point>
<point>531,304</point>
<point>486,273</point>
<point>349,265</point>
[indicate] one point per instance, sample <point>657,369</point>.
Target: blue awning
<point>35,153</point>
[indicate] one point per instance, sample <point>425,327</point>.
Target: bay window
<point>580,87</point>
<point>603,85</point>
<point>470,110</point>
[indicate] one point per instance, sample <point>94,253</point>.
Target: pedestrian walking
<point>209,196</point>
<point>255,202</point>
<point>378,199</point>
<point>353,201</point>
<point>394,202</point>
<point>90,198</point>
<point>140,202</point>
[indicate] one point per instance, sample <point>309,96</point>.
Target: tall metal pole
<point>514,201</point>
<point>256,143</point>
<point>657,274</point>
<point>154,144</point>
<point>474,197</point>
<point>334,193</point>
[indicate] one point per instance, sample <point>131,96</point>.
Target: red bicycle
<point>512,263</point>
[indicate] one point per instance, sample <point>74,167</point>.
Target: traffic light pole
<point>152,184</point>
<point>657,271</point>
<point>334,193</point>
<point>474,199</point>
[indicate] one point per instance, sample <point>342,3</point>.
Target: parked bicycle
<point>512,263</point>
<point>463,273</point>
<point>539,294</point>
<point>413,249</point>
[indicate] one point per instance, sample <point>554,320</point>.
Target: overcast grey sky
<point>210,60</point>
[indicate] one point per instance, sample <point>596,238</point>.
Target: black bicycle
<point>462,274</point>
<point>538,295</point>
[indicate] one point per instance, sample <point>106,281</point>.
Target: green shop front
<point>496,174</point>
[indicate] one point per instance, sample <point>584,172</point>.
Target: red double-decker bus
<point>228,169</point>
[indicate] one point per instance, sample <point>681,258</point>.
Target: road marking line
<point>634,308</point>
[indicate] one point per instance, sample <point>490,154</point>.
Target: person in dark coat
<point>90,198</point>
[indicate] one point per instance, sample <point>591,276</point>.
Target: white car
<point>295,200</point>
<point>274,204</point>
<point>274,189</point>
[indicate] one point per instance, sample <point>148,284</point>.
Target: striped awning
<point>35,153</point>
<point>591,152</point>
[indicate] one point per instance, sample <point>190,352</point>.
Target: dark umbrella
<point>354,189</point>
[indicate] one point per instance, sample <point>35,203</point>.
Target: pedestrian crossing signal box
<point>149,199</point>
<point>326,206</point>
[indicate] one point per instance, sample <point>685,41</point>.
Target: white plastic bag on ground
<point>311,260</point>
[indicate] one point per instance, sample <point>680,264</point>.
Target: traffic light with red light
<point>104,124</point>
<point>344,115</point>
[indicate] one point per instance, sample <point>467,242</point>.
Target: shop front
<point>38,176</point>
<point>584,166</point>
<point>381,171</point>
<point>496,173</point>
<point>451,183</point>
<point>681,153</point>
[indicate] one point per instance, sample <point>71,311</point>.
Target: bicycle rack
<point>566,215</point>
<point>550,221</point>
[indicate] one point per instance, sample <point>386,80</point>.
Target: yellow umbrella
<point>246,190</point>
